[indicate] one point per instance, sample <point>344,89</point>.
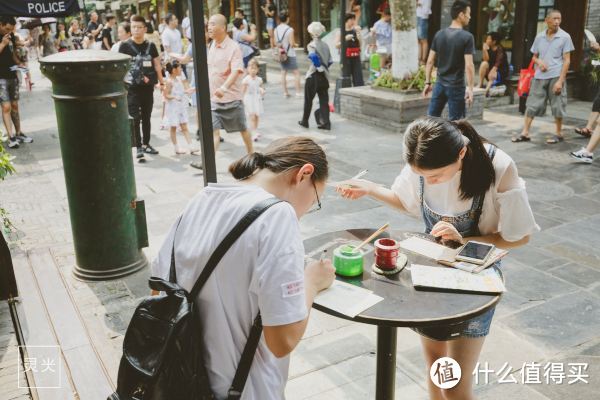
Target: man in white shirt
<point>423,12</point>
<point>171,37</point>
<point>186,26</point>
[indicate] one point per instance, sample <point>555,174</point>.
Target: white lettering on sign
<point>47,8</point>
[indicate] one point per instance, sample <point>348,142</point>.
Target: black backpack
<point>163,354</point>
<point>137,70</point>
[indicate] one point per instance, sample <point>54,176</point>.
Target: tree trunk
<point>405,50</point>
<point>214,7</point>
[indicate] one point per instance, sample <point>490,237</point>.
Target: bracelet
<point>428,83</point>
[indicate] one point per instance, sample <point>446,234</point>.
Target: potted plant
<point>590,75</point>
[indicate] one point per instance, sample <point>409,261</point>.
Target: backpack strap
<point>229,240</point>
<point>243,369</point>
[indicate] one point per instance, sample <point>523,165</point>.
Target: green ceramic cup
<point>348,262</point>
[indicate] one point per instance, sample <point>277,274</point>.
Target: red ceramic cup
<point>386,253</point>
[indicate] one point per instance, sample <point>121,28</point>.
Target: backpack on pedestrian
<point>141,66</point>
<point>280,52</point>
<point>163,354</point>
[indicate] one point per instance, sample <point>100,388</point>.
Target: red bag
<point>525,77</point>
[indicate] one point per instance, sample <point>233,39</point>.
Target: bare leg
<point>297,82</point>
<point>558,122</point>
<point>466,352</point>
<point>6,118</point>
<point>247,138</point>
<point>592,119</point>
<point>15,117</point>
<point>186,134</point>
<point>594,140</point>
<point>271,38</point>
<point>216,139</point>
<point>483,71</point>
<point>433,350</point>
<point>284,82</point>
<point>527,126</point>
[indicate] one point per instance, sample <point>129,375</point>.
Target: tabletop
<point>403,305</point>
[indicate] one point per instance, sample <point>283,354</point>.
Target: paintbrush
<point>377,232</point>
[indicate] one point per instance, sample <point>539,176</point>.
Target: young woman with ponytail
<point>464,189</point>
<point>263,271</point>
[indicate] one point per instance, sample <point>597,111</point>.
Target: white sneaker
<point>13,143</point>
<point>583,156</point>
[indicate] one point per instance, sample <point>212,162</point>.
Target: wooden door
<point>574,16</point>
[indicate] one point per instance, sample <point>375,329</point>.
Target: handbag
<point>525,78</point>
<point>162,351</point>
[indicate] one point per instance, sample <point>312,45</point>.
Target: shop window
<point>496,16</point>
<point>545,6</point>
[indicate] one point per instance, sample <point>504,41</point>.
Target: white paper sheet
<point>429,249</point>
<point>487,281</point>
<point>347,299</point>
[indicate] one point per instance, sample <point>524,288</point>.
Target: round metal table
<point>403,306</point>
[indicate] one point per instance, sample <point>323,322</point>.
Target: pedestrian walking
<point>463,189</point>
<point>123,34</point>
<point>254,91</point>
<point>586,154</point>
<point>144,73</point>
<point>552,56</point>
<point>77,35</point>
<point>244,39</point>
<point>263,272</point>
<point>47,41</point>
<point>106,35</point>
<point>9,84</point>
<point>93,32</point>
<point>351,59</point>
<point>225,70</point>
<point>423,13</point>
<point>593,117</point>
<point>451,51</point>
<point>382,29</point>
<point>176,106</point>
<point>62,38</point>
<point>317,78</point>
<point>286,53</point>
<point>270,11</point>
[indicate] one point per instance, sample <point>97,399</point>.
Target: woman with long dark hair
<point>464,189</point>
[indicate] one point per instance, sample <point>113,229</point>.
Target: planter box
<point>394,110</point>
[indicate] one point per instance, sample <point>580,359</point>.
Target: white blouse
<point>505,210</point>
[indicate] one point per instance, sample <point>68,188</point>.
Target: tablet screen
<point>478,251</point>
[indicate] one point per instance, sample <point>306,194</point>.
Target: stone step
<point>54,333</point>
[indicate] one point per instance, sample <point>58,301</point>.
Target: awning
<point>38,8</point>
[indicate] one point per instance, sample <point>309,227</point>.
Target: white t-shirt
<point>505,210</point>
<point>282,36</point>
<point>424,9</point>
<point>171,38</point>
<point>187,27</point>
<point>263,270</point>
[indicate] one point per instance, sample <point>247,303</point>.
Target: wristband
<point>428,83</point>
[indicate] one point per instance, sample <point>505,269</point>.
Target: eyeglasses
<point>318,206</point>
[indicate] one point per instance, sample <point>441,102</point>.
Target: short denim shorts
<point>422,28</point>
<point>478,326</point>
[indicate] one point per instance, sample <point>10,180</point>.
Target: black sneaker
<point>150,150</point>
<point>13,143</point>
<point>139,153</point>
<point>22,138</point>
<point>196,164</point>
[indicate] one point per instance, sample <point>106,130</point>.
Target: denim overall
<point>467,224</point>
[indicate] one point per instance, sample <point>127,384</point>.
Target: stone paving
<point>551,312</point>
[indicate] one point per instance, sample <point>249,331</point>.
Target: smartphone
<point>475,252</point>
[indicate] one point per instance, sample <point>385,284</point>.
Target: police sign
<point>38,8</point>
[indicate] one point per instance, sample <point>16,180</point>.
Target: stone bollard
<point>107,220</point>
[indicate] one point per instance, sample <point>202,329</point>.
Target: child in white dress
<point>176,105</point>
<point>252,86</point>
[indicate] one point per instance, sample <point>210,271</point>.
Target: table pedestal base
<point>386,363</point>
